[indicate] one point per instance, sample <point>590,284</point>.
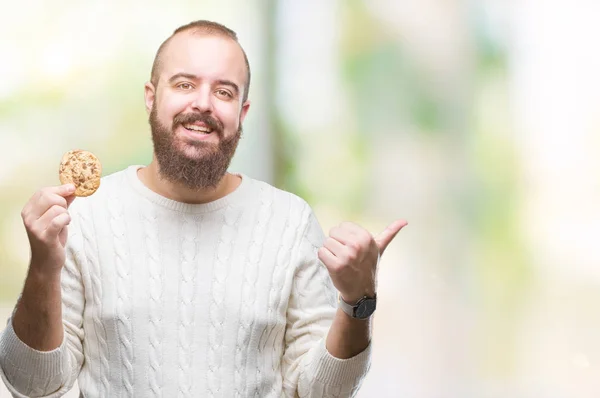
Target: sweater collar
<point>236,198</point>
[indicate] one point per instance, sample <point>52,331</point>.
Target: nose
<point>202,101</point>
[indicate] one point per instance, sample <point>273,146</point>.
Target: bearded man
<point>180,279</point>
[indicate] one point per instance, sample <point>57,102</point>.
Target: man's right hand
<point>46,218</point>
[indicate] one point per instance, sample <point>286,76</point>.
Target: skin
<point>38,316</point>
<point>351,254</point>
<point>199,74</point>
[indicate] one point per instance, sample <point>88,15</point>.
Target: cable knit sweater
<point>166,299</point>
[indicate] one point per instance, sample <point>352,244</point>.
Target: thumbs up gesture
<point>351,255</point>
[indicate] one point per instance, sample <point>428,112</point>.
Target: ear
<point>149,96</point>
<point>245,108</point>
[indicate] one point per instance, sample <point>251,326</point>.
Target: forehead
<point>209,57</point>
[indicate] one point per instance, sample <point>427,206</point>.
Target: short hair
<point>208,28</point>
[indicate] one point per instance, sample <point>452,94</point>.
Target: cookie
<point>82,169</point>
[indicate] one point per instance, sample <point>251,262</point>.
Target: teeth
<point>201,129</point>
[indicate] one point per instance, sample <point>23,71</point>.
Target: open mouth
<point>197,129</point>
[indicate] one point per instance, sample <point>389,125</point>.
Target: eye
<point>185,86</point>
<point>224,93</point>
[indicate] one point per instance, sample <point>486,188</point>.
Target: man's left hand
<point>351,255</point>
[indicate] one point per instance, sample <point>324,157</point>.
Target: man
<point>182,280</point>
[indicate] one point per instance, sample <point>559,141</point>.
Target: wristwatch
<point>363,308</point>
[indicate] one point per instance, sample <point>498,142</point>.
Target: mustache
<point>209,121</point>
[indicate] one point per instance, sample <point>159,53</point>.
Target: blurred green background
<point>477,121</point>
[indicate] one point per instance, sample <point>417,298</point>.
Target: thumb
<point>384,238</point>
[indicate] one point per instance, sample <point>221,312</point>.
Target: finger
<point>41,201</point>
<point>70,200</point>
<point>47,198</point>
<point>357,231</point>
<point>328,258</point>
<point>63,235</point>
<point>41,205</point>
<point>61,190</point>
<point>351,227</point>
<point>44,221</point>
<point>345,236</point>
<point>57,224</point>
<point>384,238</point>
<point>65,190</point>
<point>335,247</point>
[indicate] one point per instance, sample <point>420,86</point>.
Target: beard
<point>203,170</point>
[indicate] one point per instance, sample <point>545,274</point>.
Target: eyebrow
<point>184,75</point>
<point>190,76</point>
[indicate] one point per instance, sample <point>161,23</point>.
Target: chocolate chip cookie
<point>82,169</point>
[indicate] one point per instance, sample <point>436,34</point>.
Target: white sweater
<point>166,299</point>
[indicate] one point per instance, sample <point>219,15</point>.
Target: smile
<point>197,129</point>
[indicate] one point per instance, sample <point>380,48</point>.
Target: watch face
<point>366,308</point>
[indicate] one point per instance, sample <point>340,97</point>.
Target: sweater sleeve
<point>31,373</point>
<point>309,370</point>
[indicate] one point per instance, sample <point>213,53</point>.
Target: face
<point>196,112</point>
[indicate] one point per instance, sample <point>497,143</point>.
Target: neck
<point>151,178</point>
